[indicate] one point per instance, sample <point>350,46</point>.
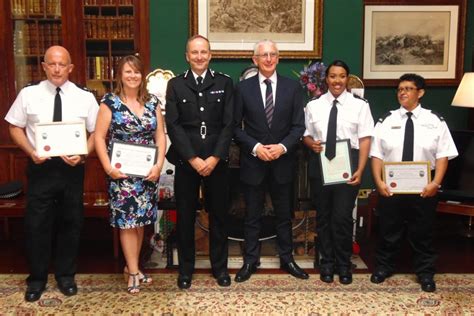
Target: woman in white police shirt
<point>431,142</point>
<point>334,203</point>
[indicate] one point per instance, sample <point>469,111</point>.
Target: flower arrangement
<point>313,78</point>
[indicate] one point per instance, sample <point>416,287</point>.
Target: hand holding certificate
<point>406,177</point>
<point>339,169</point>
<point>133,159</point>
<point>61,139</point>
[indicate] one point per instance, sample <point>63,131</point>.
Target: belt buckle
<point>203,131</point>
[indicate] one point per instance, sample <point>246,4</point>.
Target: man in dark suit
<point>199,110</point>
<point>269,124</point>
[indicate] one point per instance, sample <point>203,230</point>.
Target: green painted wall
<point>342,39</point>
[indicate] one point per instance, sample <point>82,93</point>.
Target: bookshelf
<point>97,33</point>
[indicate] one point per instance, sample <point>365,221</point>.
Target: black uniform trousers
<point>53,219</point>
<point>216,201</point>
<point>334,206</point>
<point>415,216</point>
<point>254,196</point>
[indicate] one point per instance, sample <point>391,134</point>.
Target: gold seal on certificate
<point>60,139</point>
<point>407,177</point>
<point>339,169</point>
<point>133,159</point>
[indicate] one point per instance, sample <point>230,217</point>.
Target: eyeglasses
<point>406,89</point>
<point>266,55</point>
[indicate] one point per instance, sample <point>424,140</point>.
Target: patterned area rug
<point>263,294</point>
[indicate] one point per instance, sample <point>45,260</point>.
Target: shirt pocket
<point>349,124</point>
<point>34,114</point>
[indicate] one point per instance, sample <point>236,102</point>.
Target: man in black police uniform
<point>199,111</point>
<point>55,185</point>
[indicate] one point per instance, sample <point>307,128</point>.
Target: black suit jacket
<point>187,107</point>
<point>251,127</point>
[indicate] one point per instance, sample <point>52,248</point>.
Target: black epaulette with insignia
<point>441,118</point>
<point>82,87</point>
<point>33,83</point>
<point>359,97</point>
<point>385,116</point>
<point>221,73</point>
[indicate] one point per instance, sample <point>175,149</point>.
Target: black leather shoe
<point>427,284</point>
<point>184,282</point>
<point>345,276</point>
<point>223,279</point>
<point>245,272</point>
<point>379,276</point>
<point>68,288</point>
<point>326,275</point>
<point>293,269</point>
<point>33,293</point>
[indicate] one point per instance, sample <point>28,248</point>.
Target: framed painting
<point>234,26</point>
<point>417,36</point>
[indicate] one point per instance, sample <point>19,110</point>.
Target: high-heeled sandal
<point>144,278</point>
<point>135,288</point>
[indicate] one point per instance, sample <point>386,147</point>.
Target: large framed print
<point>134,160</point>
<point>60,139</point>
<point>406,177</point>
<point>339,169</point>
<point>419,36</point>
<point>234,26</point>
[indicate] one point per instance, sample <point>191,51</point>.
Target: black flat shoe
<point>184,281</point>
<point>68,288</point>
<point>326,275</point>
<point>33,293</point>
<point>245,272</point>
<point>345,277</point>
<point>223,279</point>
<point>379,276</point>
<point>427,284</point>
<point>293,269</point>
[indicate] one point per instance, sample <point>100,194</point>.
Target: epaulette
<point>359,97</point>
<point>33,83</point>
<point>315,97</point>
<point>385,116</point>
<point>441,118</point>
<point>82,87</point>
<point>223,74</point>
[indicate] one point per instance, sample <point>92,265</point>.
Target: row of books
<point>109,27</point>
<point>108,2</point>
<point>27,73</point>
<point>49,8</point>
<point>34,38</point>
<point>101,67</point>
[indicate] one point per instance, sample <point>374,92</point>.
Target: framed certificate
<point>406,177</point>
<point>134,160</point>
<point>339,169</point>
<point>61,139</point>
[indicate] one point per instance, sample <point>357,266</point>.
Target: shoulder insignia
<point>315,97</point>
<point>223,74</point>
<point>82,87</point>
<point>441,118</point>
<point>385,116</point>
<point>33,83</point>
<point>360,98</point>
<point>212,73</point>
<point>184,74</point>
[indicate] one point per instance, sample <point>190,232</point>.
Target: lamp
<point>465,94</point>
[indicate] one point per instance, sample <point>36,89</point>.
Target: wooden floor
<point>456,252</point>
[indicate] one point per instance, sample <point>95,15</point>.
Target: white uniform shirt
<point>35,104</point>
<point>432,139</point>
<point>354,119</point>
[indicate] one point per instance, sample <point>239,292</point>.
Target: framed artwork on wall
<point>418,36</point>
<point>234,26</point>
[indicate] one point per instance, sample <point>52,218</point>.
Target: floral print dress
<point>133,201</point>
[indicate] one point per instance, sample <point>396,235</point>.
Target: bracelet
<point>110,171</point>
<point>439,185</point>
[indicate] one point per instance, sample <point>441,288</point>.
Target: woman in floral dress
<point>131,115</point>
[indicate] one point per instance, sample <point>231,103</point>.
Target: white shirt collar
<point>273,78</point>
<point>340,99</point>
<point>196,75</point>
<point>63,87</point>
<point>416,111</point>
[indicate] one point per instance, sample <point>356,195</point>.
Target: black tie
<point>199,80</point>
<point>408,141</point>
<point>57,116</point>
<point>269,107</point>
<point>331,137</point>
